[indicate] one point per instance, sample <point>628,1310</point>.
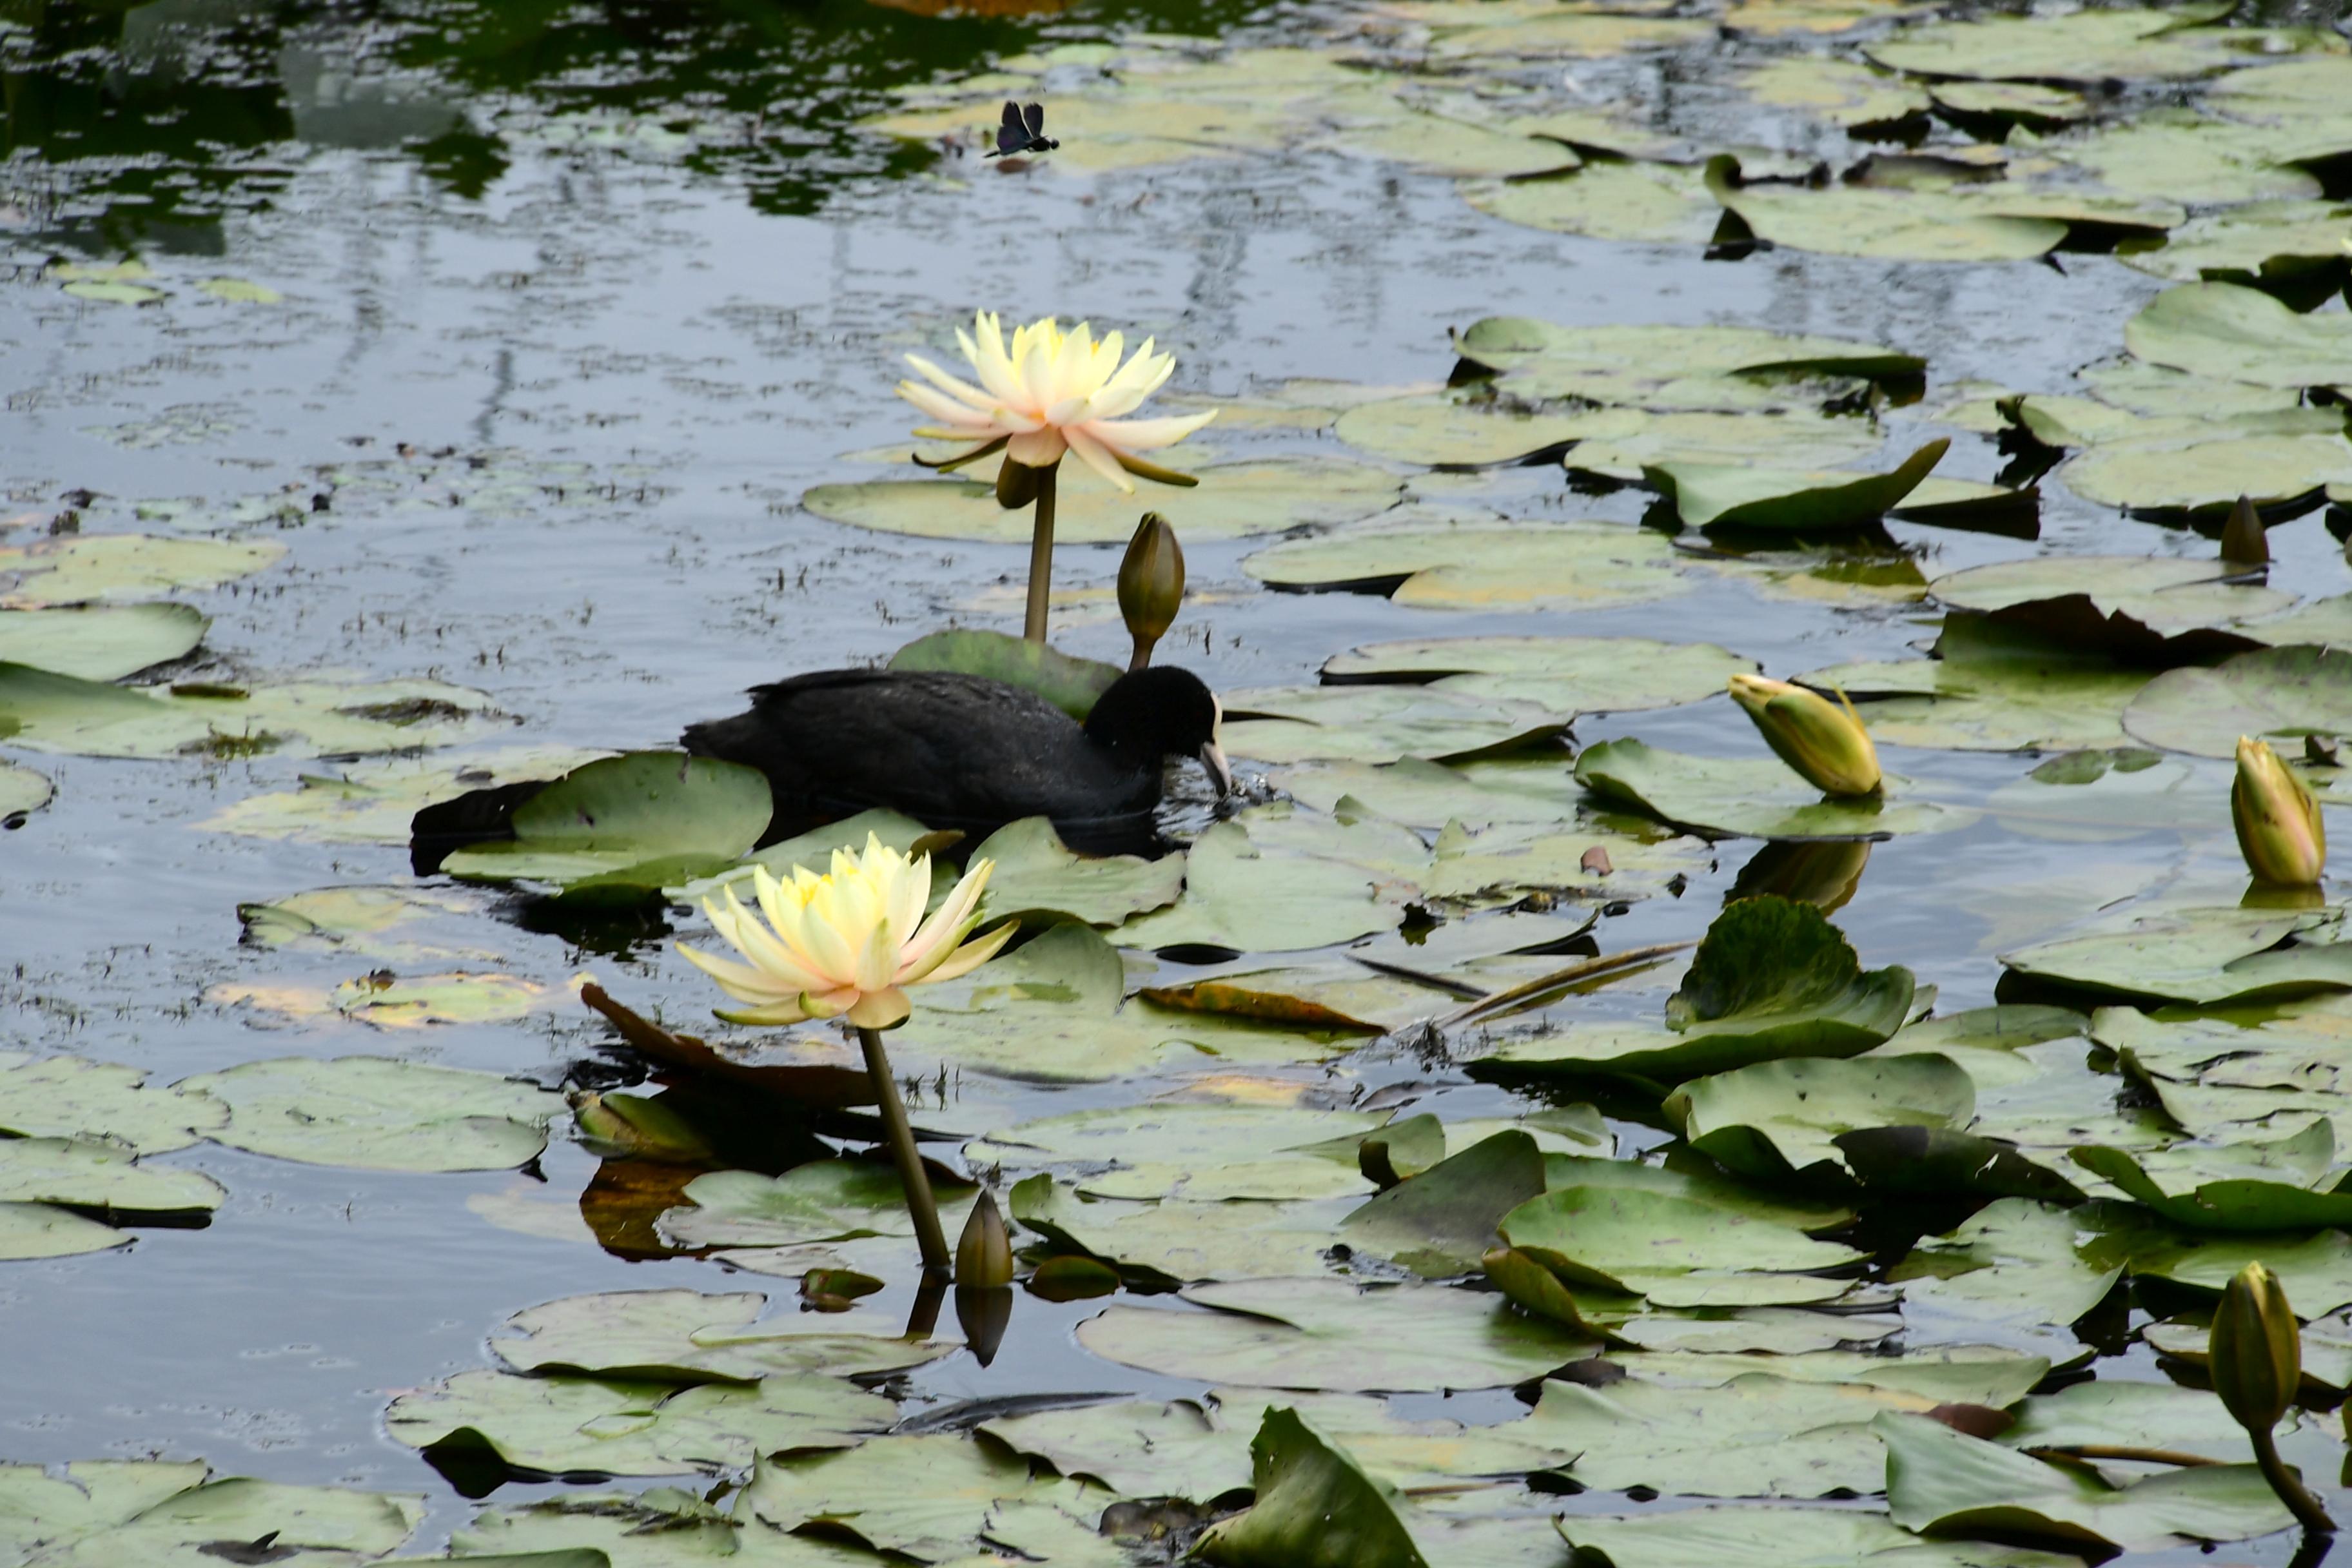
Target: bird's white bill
<point>1213,757</point>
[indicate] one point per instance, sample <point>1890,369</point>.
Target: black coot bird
<point>964,752</point>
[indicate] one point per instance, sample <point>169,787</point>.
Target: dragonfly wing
<point>1013,135</point>
<point>1036,121</point>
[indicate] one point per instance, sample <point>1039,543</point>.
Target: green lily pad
<point>684,1336</point>
<point>374,922</point>
<point>1992,691</point>
<point>1068,682</point>
<point>1334,1334</point>
<point>1709,495</point>
<point>81,568</point>
<point>2208,956</point>
<point>1455,427</point>
<point>2280,694</point>
<point>37,1230</point>
<point>1941,1480</point>
<point>1637,204</point>
<point>81,1173</point>
<point>65,713</point>
<point>2206,478</point>
<point>376,1114</point>
<point>2315,1267</point>
<point>1751,797</point>
<point>2184,156</point>
<point>2238,1187</point>
<point>660,1527</point>
<point>2241,334</point>
<point>1483,566</point>
<point>2211,1073</point>
<point>644,820</point>
<point>1625,444</point>
<point>1506,863</point>
<point>1607,675</point>
<point>2031,104</point>
<point>565,1426</point>
<point>1773,975</point>
<point>2087,46</point>
<point>374,802</point>
<point>1037,875</point>
<point>1441,1221</point>
<point>1202,1152</point>
<point>1675,1251</point>
<point>1183,1447</point>
<point>1175,1241</point>
<point>188,1528</point>
<point>22,790</point>
<point>1522,792</point>
<point>1944,1374</point>
<point>2018,1269</point>
<point>824,1200</point>
<point>1776,1119</point>
<point>1992,222</point>
<point>73,1096</point>
<point>1768,1537</point>
<point>1261,496</point>
<point>1647,366</point>
<point>1441,145</point>
<point>1380,723</point>
<point>100,642</point>
<point>1840,92</point>
<point>864,1492</point>
<point>1313,1505</point>
<point>2167,595</point>
<point>1699,1182</point>
<point>1277,880</point>
<point>1474,30</point>
<point>1051,1011</point>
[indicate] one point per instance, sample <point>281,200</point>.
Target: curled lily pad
<point>2273,246</point>
<point>2236,1187</point>
<point>1313,1502</point>
<point>2241,334</point>
<point>1481,566</point>
<point>100,642</point>
<point>1775,976</point>
<point>1601,675</point>
<point>79,569</point>
<point>63,713</point>
<point>1712,495</point>
<point>373,1114</point>
<point>1261,496</point>
<point>1747,797</point>
<point>644,820</point>
<point>2280,694</point>
<point>1442,1220</point>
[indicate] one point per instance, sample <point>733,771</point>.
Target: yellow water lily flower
<point>1049,393</point>
<point>848,944</point>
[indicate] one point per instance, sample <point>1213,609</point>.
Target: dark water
<point>577,300</point>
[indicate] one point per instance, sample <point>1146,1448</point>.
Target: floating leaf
<point>81,1173</point>
<point>1993,690</point>
<point>1175,1241</point>
<point>1068,682</point>
<point>1278,881</point>
<point>377,1114</point>
<point>2205,478</point>
<point>1844,93</point>
<point>21,791</point>
<point>1675,1251</point>
<point>2017,1269</point>
<point>72,1097</point>
<point>1261,496</point>
<point>1648,366</point>
<point>1442,1220</point>
<point>370,921</point>
<point>1382,723</point>
<point>2088,47</point>
<point>1455,427</point>
<point>2205,955</point>
<point>1203,1151</point>
<point>2280,694</point>
<point>2241,334</point>
<point>812,850</point>
<point>1605,674</point>
<point>1313,1504</point>
<point>2239,1187</point>
<point>1471,565</point>
<point>374,802</point>
<point>1709,495</point>
<point>1764,1537</point>
<point>684,1336</point>
<point>2166,594</point>
<point>865,1492</point>
<point>644,819</point>
<point>824,1200</point>
<point>37,1230</point>
<point>63,713</point>
<point>1748,796</point>
<point>75,569</point>
<point>1994,221</point>
<point>169,1516</point>
<point>1776,1119</point>
<point>1037,875</point>
<point>100,642</point>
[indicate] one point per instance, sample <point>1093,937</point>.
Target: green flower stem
<point>919,1203</point>
<point>1041,557</point>
<point>2299,1503</point>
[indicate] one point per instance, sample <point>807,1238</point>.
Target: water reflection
<point>141,128</point>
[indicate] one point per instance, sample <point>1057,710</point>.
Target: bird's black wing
<point>1036,116</point>
<point>1013,135</point>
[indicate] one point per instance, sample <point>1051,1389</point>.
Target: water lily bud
<point>983,1253</point>
<point>632,1126</point>
<point>1823,740</point>
<point>1016,485</point>
<point>2244,542</point>
<point>1150,585</point>
<point>2279,828</point>
<point>2256,1348</point>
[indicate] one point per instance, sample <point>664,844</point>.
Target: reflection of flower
<point>1821,740</point>
<point>2279,827</point>
<point>848,943</point>
<point>1050,393</point>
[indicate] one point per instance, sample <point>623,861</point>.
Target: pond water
<point>522,331</point>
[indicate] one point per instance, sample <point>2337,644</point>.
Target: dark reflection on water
<point>139,127</point>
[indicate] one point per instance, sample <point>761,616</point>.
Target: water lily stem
<point>921,1206</point>
<point>2299,1503</point>
<point>1041,558</point>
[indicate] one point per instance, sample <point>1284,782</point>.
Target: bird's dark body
<point>950,749</point>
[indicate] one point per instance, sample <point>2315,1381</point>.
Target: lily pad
<point>2205,478</point>
<point>1506,863</point>
<point>1998,221</point>
<point>100,642</point>
<point>63,713</point>
<point>81,1173</point>
<point>1522,792</point>
<point>78,569</point>
<point>73,1096</point>
<point>2166,593</point>
<point>1037,875</point>
<point>660,1527</point>
<point>1674,1251</point>
<point>824,1200</point>
<point>2241,334</point>
<point>863,1492</point>
<point>1454,428</point>
<point>2017,1269</point>
<point>812,849</point>
<point>2238,1187</point>
<point>1380,723</point>
<point>2280,694</point>
<point>644,819</point>
<point>1605,674</point>
<point>374,803</point>
<point>1068,682</point>
<point>1051,1012</point>
<point>1629,364</point>
<point>684,1336</point>
<point>22,790</point>
<point>1441,1221</point>
<point>1635,204</point>
<point>1335,1334</point>
<point>1991,691</point>
<point>1253,886</point>
<point>1767,1537</point>
<point>2204,955</point>
<point>125,1520</point>
<point>377,1114</point>
<point>2087,46</point>
<point>1777,1119</point>
<point>1711,495</point>
<point>1175,1241</point>
<point>1481,567</point>
<point>1840,92</point>
<point>1941,1480</point>
<point>573,1426</point>
<point>37,1230</point>
<point>1207,1153</point>
<point>377,923</point>
<point>1260,496</point>
<point>1313,1505</point>
<point>1748,796</point>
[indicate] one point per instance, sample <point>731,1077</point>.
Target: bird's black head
<point>1160,711</point>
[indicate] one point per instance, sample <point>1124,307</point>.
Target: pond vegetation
<point>1747,972</point>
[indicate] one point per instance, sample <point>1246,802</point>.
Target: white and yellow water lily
<point>1052,392</point>
<point>847,945</point>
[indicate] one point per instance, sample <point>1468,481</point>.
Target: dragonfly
<point>1024,130</point>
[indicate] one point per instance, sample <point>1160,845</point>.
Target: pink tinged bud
<point>2280,831</point>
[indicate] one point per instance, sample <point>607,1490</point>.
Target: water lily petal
<point>973,953</point>
<point>1146,435</point>
<point>1039,449</point>
<point>882,1009</point>
<point>962,390</point>
<point>1092,453</point>
<point>789,1012</point>
<point>965,421</point>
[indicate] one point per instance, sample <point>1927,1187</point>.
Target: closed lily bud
<point>1823,740</point>
<point>984,1252</point>
<point>1150,585</point>
<point>2257,1350</point>
<point>1016,485</point>
<point>2244,542</point>
<point>2280,831</point>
